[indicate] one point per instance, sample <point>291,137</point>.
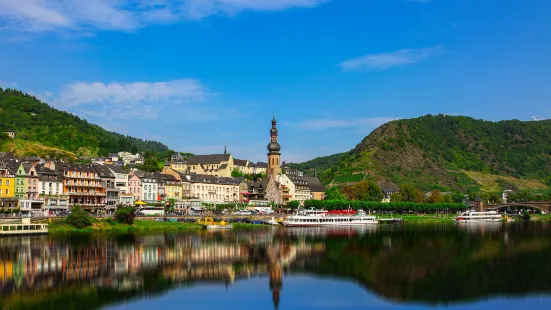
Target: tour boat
<point>478,217</point>
<point>312,218</point>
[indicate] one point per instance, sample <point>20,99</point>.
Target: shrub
<point>79,218</point>
<point>125,215</point>
<point>526,216</point>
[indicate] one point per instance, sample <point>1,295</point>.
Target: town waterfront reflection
<point>406,265</point>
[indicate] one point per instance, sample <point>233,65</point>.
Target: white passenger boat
<point>23,228</point>
<point>478,217</point>
<point>312,218</point>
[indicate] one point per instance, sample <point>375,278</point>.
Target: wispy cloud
<point>360,123</point>
<point>135,100</point>
<point>7,85</point>
<point>86,15</point>
<point>385,61</point>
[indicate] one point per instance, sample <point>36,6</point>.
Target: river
<point>496,266</point>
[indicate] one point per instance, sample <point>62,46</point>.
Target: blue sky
<point>201,74</point>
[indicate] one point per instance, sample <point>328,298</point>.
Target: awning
<point>139,202</point>
<point>196,209</point>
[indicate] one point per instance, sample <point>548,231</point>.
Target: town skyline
<point>199,76</point>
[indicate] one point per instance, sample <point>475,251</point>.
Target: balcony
<point>85,194</point>
<point>83,185</point>
<point>82,177</point>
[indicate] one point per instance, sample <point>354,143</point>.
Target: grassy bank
<point>422,219</point>
<point>108,225</point>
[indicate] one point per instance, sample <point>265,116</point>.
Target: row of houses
<point>35,186</point>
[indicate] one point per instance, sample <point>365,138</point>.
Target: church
<point>284,185</point>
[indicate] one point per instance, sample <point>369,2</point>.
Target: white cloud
<point>203,8</point>
<point>360,123</point>
<point>5,85</point>
<point>385,61</point>
<point>80,15</point>
<point>136,100</point>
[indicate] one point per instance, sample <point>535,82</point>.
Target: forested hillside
<point>320,163</point>
<point>36,121</point>
<point>439,151</point>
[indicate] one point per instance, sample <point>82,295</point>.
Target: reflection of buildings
<point>30,264</point>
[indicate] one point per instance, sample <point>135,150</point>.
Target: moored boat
<point>478,217</point>
<point>23,228</point>
<point>271,221</point>
<point>209,223</point>
<point>313,218</point>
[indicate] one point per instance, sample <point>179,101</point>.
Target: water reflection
<point>409,264</point>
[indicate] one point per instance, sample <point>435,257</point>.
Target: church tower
<point>274,166</point>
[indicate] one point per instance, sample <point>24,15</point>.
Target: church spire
<point>225,151</point>
<point>274,166</point>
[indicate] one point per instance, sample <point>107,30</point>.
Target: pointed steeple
<point>225,150</point>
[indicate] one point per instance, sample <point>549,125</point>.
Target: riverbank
<point>108,225</point>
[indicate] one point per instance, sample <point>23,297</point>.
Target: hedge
<point>380,206</point>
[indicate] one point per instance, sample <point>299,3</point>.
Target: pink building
<point>135,187</point>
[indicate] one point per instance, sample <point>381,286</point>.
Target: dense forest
<point>319,163</point>
<point>435,151</point>
<point>36,121</point>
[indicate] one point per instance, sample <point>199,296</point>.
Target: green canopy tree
<point>334,193</point>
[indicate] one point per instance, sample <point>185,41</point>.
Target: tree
<point>408,192</point>
<point>396,197</point>
<point>169,206</point>
<point>334,193</point>
<point>125,215</point>
<point>364,191</point>
<point>79,218</point>
<point>293,204</point>
<point>150,165</point>
<point>435,196</point>
<point>419,197</point>
<point>236,173</point>
<point>448,198</point>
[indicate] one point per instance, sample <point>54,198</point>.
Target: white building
<point>121,178</point>
<point>149,186</point>
<point>212,189</point>
<point>50,182</point>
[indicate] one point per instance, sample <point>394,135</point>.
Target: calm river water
<point>406,267</point>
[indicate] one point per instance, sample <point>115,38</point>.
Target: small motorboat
<point>272,221</point>
<point>209,223</point>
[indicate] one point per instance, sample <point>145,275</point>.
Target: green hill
<point>320,163</point>
<point>437,151</point>
<point>38,122</point>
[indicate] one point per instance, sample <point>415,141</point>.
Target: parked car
<point>242,212</point>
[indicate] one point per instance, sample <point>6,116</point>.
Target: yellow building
<point>7,182</point>
<point>173,189</point>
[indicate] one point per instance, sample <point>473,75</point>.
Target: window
<point>0,182</point>
<point>7,182</point>
<point>7,191</point>
<point>0,191</point>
